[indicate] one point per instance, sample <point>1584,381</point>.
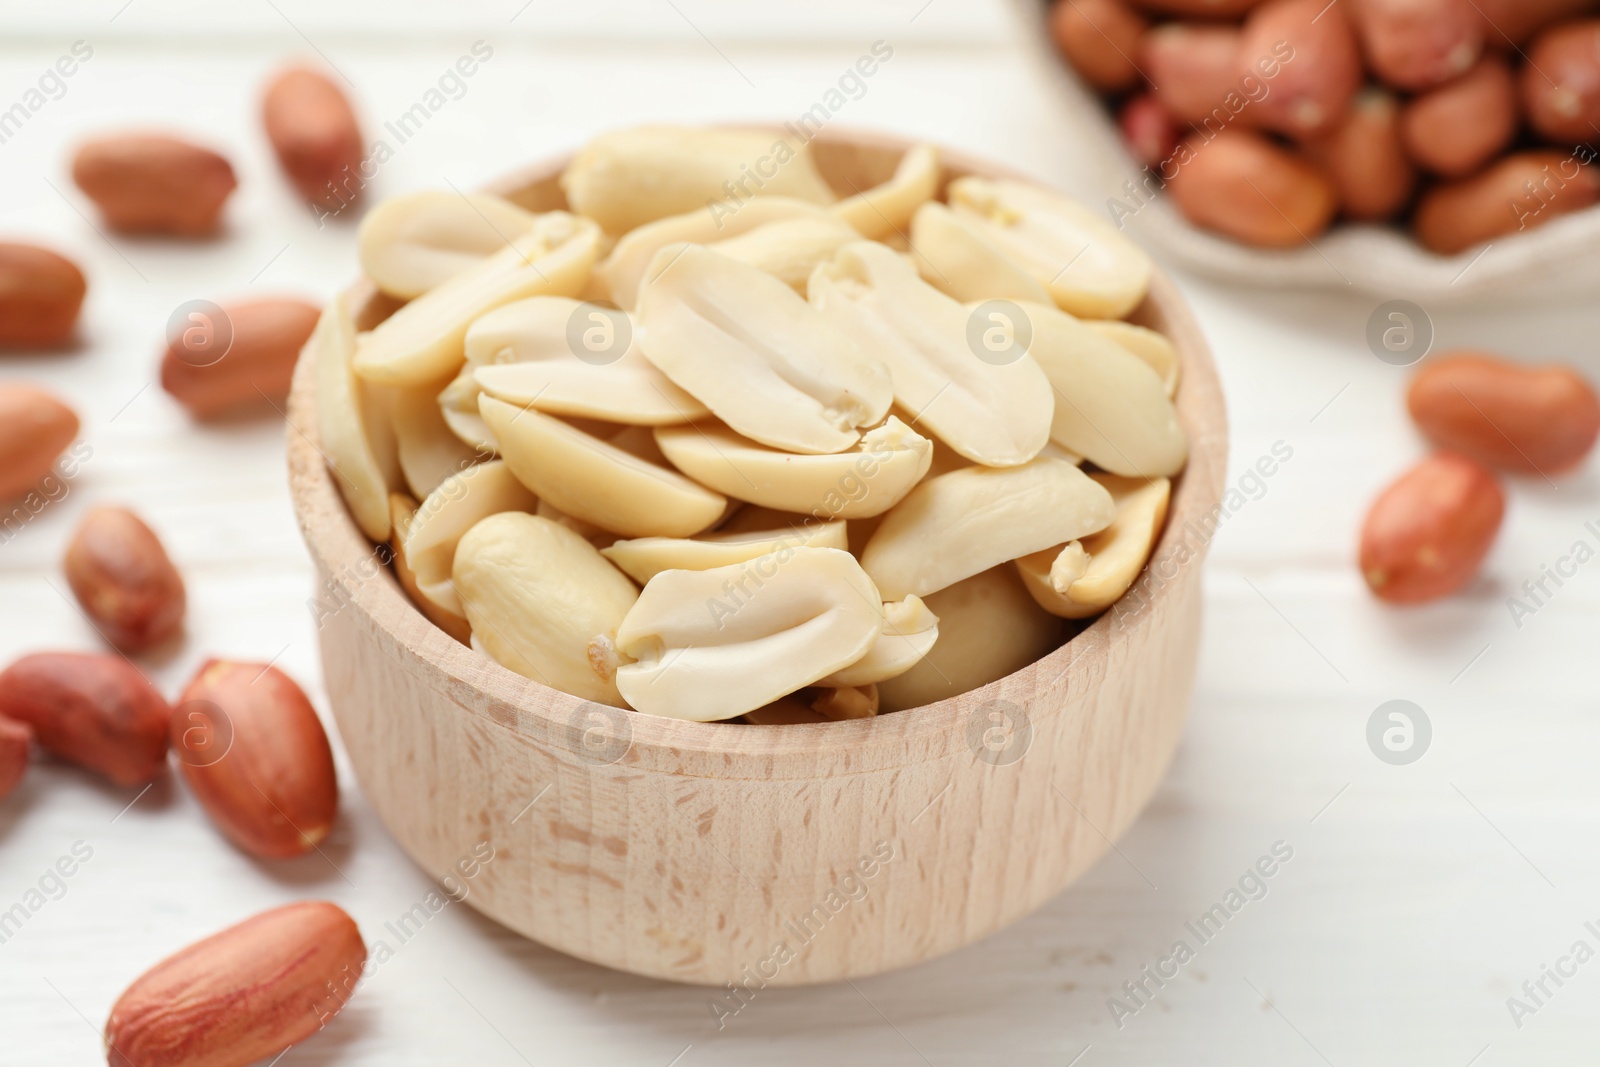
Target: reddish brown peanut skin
<point>1426,535</point>
<point>1198,9</point>
<point>1148,129</point>
<point>1561,83</point>
<point>242,995</point>
<point>1508,23</point>
<point>35,428</point>
<point>94,710</point>
<point>1457,128</point>
<point>1193,68</point>
<point>1520,192</point>
<point>1242,185</point>
<point>274,794</point>
<point>15,738</point>
<point>1365,159</point>
<point>154,183</point>
<point>1417,44</point>
<point>40,294</point>
<point>314,131</point>
<point>256,370</point>
<point>1321,64</point>
<point>1531,420</point>
<point>121,574</point>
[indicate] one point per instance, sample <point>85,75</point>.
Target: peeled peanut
<point>1458,127</point>
<point>1086,577</point>
<point>240,996</point>
<point>1110,406</point>
<point>909,631</point>
<point>714,644</point>
<point>402,512</point>
<point>273,792</point>
<point>543,602</point>
<point>645,557</point>
<point>121,574</point>
<point>625,179</point>
<point>1246,187</point>
<point>1418,44</point>
<point>40,294</point>
<point>35,428</point>
<point>1100,38</point>
<point>15,740</point>
<point>153,183</point>
<point>994,413</point>
<point>886,209</point>
<point>343,410</point>
<point>460,503</point>
<point>1148,129</point>
<point>847,702</point>
<point>1087,264</point>
<point>97,711</point>
<point>314,132</point>
<point>596,481</point>
<point>955,255</point>
<point>752,350</point>
<point>412,243</point>
<point>989,627</point>
<point>1520,192</point>
<point>1192,68</point>
<point>1320,64</point>
<point>424,341</point>
<point>867,480</point>
<point>458,404</point>
<point>257,367</point>
<point>790,249</point>
<point>1561,82</point>
<point>565,357</point>
<point>1145,343</point>
<point>1428,532</point>
<point>1364,157</point>
<point>1532,420</point>
<point>958,524</point>
<point>427,450</point>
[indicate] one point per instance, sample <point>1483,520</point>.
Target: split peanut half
<point>714,644</point>
<point>645,557</point>
<point>958,524</point>
<point>1145,343</point>
<point>887,209</point>
<point>543,602</point>
<point>995,414</point>
<point>755,353</point>
<point>429,452</point>
<point>789,250</point>
<point>342,421</point>
<point>1085,578</point>
<point>594,480</point>
<point>955,255</point>
<point>909,631</point>
<point>869,479</point>
<point>458,405</point>
<point>402,511</point>
<point>461,502</point>
<point>410,244</point>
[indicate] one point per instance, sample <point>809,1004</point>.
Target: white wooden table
<point>1418,899</point>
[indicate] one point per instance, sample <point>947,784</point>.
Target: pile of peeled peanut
<point>787,457</point>
<point>1267,120</point>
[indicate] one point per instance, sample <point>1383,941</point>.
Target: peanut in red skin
<point>1149,131</point>
<point>121,574</point>
<point>1518,192</point>
<point>1530,420</point>
<point>1427,534</point>
<point>35,428</point>
<point>1240,184</point>
<point>314,131</point>
<point>94,710</point>
<point>1561,82</point>
<point>40,294</point>
<point>256,370</point>
<point>15,739</point>
<point>1456,128</point>
<point>1191,67</point>
<point>1321,64</point>
<point>154,183</point>
<point>1365,160</point>
<point>1418,44</point>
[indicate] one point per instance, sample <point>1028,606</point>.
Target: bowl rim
<point>481,687</point>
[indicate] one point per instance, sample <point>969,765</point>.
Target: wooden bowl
<point>778,855</point>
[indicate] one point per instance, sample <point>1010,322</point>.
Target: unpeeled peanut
<point>1561,82</point>
<point>314,132</point>
<point>1192,67</point>
<point>1418,44</point>
<point>1320,67</point>
<point>15,740</point>
<point>40,294</point>
<point>1148,129</point>
<point>1100,38</point>
<point>121,574</point>
<point>410,244</point>
<point>154,183</point>
<point>885,210</point>
<point>1365,158</point>
<point>97,711</point>
<point>1520,192</point>
<point>1429,531</point>
<point>256,368</point>
<point>1244,186</point>
<point>35,428</point>
<point>1458,127</point>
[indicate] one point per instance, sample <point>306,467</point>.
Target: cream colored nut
<point>410,244</point>
<point>714,644</point>
<point>402,512</point>
<point>954,254</point>
<point>566,357</point>
<point>886,210</point>
<point>624,269</point>
<point>424,341</point>
<point>461,502</point>
<point>1145,343</point>
<point>789,250</point>
<point>645,557</point>
<point>1084,579</point>
<point>850,702</point>
<point>628,178</point>
<point>750,349</point>
<point>909,631</point>
<point>958,524</point>
<point>429,452</point>
<point>1110,406</point>
<point>989,627</point>
<point>1088,266</point>
<point>996,414</point>
<point>458,403</point>
<point>343,419</point>
<point>594,480</point>
<point>871,478</point>
<point>544,603</point>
